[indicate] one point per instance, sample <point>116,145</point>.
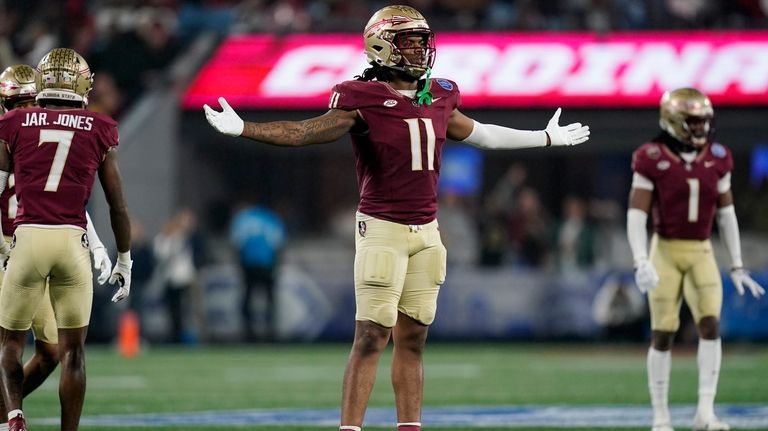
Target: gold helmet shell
<point>677,109</point>
<point>17,84</point>
<point>64,75</point>
<point>385,32</point>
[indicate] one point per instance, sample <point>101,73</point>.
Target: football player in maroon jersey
<point>18,90</point>
<point>56,151</point>
<point>398,117</point>
<point>684,179</point>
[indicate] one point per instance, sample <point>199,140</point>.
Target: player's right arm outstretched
<point>318,130</point>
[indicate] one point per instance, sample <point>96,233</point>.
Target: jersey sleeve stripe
<point>724,183</point>
<point>639,181</point>
<point>334,100</point>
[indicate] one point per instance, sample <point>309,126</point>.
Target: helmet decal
<point>64,75</point>
<point>17,86</point>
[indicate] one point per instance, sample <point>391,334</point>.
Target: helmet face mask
<point>64,75</point>
<point>18,87</point>
<point>399,38</point>
<point>686,114</point>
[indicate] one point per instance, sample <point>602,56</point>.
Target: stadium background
<point>507,285</point>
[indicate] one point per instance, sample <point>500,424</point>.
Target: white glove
<point>121,275</point>
<point>227,121</point>
<point>572,134</point>
<point>101,262</point>
<point>646,277</point>
<point>741,277</point>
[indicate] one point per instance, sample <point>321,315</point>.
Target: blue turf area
<point>738,416</point>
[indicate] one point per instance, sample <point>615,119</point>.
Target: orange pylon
<point>128,338</point>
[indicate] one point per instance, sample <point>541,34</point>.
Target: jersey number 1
<point>693,200</point>
<point>63,139</point>
<point>415,133</point>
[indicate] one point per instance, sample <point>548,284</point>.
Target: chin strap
<point>424,95</point>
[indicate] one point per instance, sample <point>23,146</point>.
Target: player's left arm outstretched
<point>729,232</point>
<point>491,136</point>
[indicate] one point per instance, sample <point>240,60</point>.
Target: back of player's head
<point>64,78</point>
<point>686,114</point>
<point>398,37</point>
<point>18,86</point>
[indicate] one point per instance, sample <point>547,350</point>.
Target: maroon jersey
<point>398,155</point>
<point>55,156</point>
<point>8,206</point>
<point>684,195</point>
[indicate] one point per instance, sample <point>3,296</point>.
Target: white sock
<point>13,413</point>
<point>709,357</point>
<point>659,366</point>
<point>349,428</point>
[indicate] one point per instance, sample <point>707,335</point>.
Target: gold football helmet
<point>64,75</point>
<point>398,37</point>
<point>18,86</point>
<point>686,114</point>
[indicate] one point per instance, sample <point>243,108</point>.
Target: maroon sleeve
<point>723,157</point>
<point>442,88</point>
<point>107,133</point>
<point>6,128</point>
<point>643,160</point>
<point>349,95</point>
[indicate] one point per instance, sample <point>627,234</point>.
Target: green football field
<point>298,388</point>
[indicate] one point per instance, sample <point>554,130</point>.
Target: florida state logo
<point>361,228</point>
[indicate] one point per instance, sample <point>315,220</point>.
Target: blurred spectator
<point>258,234</point>
<point>143,266</point>
<point>529,229</point>
<point>498,207</point>
<point>619,309</point>
<point>457,229</point>
<point>574,237</point>
<point>177,250</point>
<point>105,96</point>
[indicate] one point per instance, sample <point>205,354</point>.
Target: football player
<point>398,117</point>
<point>18,90</point>
<point>684,178</point>
<point>56,151</point>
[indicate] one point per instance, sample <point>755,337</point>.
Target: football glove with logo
<point>741,278</point>
<point>571,134</point>
<point>121,275</point>
<point>227,121</point>
<point>646,277</point>
<point>102,263</point>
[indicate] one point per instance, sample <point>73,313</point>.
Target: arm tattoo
<point>319,130</point>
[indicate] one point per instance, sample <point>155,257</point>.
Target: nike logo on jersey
<point>709,164</point>
<point>436,99</point>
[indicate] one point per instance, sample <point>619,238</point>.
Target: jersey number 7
<point>63,139</point>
